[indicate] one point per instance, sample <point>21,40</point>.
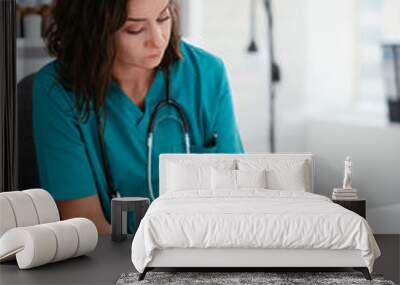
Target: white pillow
<point>188,177</point>
<point>226,179</point>
<point>223,179</point>
<point>251,178</point>
<point>282,174</point>
<point>203,160</point>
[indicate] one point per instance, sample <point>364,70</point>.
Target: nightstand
<point>358,206</point>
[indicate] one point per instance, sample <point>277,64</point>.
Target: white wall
<point>315,43</point>
<point>31,56</point>
<point>331,53</point>
<point>225,32</point>
<point>191,18</point>
<point>375,151</point>
<point>340,129</point>
<point>292,41</point>
<point>392,20</point>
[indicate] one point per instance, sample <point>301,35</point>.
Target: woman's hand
<point>88,207</point>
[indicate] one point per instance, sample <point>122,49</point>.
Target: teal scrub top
<point>67,148</point>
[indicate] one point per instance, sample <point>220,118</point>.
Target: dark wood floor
<point>389,262</point>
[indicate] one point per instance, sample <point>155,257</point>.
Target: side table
<point>119,209</point>
<point>358,206</point>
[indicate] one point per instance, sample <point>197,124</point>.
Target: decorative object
<point>32,24</point>
<point>347,174</point>
<point>47,243</point>
<point>31,231</point>
<point>347,192</point>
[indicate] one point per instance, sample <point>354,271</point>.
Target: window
<point>369,88</point>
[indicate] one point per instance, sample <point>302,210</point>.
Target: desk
<point>110,259</point>
<point>104,265</point>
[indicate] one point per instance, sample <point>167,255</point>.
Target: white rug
<point>225,278</point>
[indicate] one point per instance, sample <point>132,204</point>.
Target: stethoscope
<point>168,101</point>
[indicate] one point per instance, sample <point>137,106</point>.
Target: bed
<point>247,211</point>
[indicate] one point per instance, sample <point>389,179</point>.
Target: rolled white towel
<point>40,244</point>
<point>23,208</point>
<point>67,240</point>
<point>87,235</point>
<point>45,205</point>
<point>32,246</point>
<point>26,208</point>
<point>7,218</point>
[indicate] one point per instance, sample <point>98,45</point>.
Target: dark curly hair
<point>81,37</point>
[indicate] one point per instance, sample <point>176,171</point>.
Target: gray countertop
<point>102,266</point>
<point>110,259</point>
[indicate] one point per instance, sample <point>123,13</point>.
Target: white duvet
<point>250,218</point>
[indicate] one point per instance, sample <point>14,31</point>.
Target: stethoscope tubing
<point>112,191</point>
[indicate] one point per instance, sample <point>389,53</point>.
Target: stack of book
<point>344,194</point>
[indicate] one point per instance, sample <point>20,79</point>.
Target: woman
<point>92,105</point>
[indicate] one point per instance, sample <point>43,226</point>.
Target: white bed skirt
<point>193,257</point>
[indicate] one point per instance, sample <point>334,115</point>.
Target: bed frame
<point>260,259</point>
<point>237,259</point>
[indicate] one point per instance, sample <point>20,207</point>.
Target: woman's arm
<point>88,207</point>
<point>65,170</point>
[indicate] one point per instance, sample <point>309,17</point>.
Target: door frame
<point>8,98</point>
